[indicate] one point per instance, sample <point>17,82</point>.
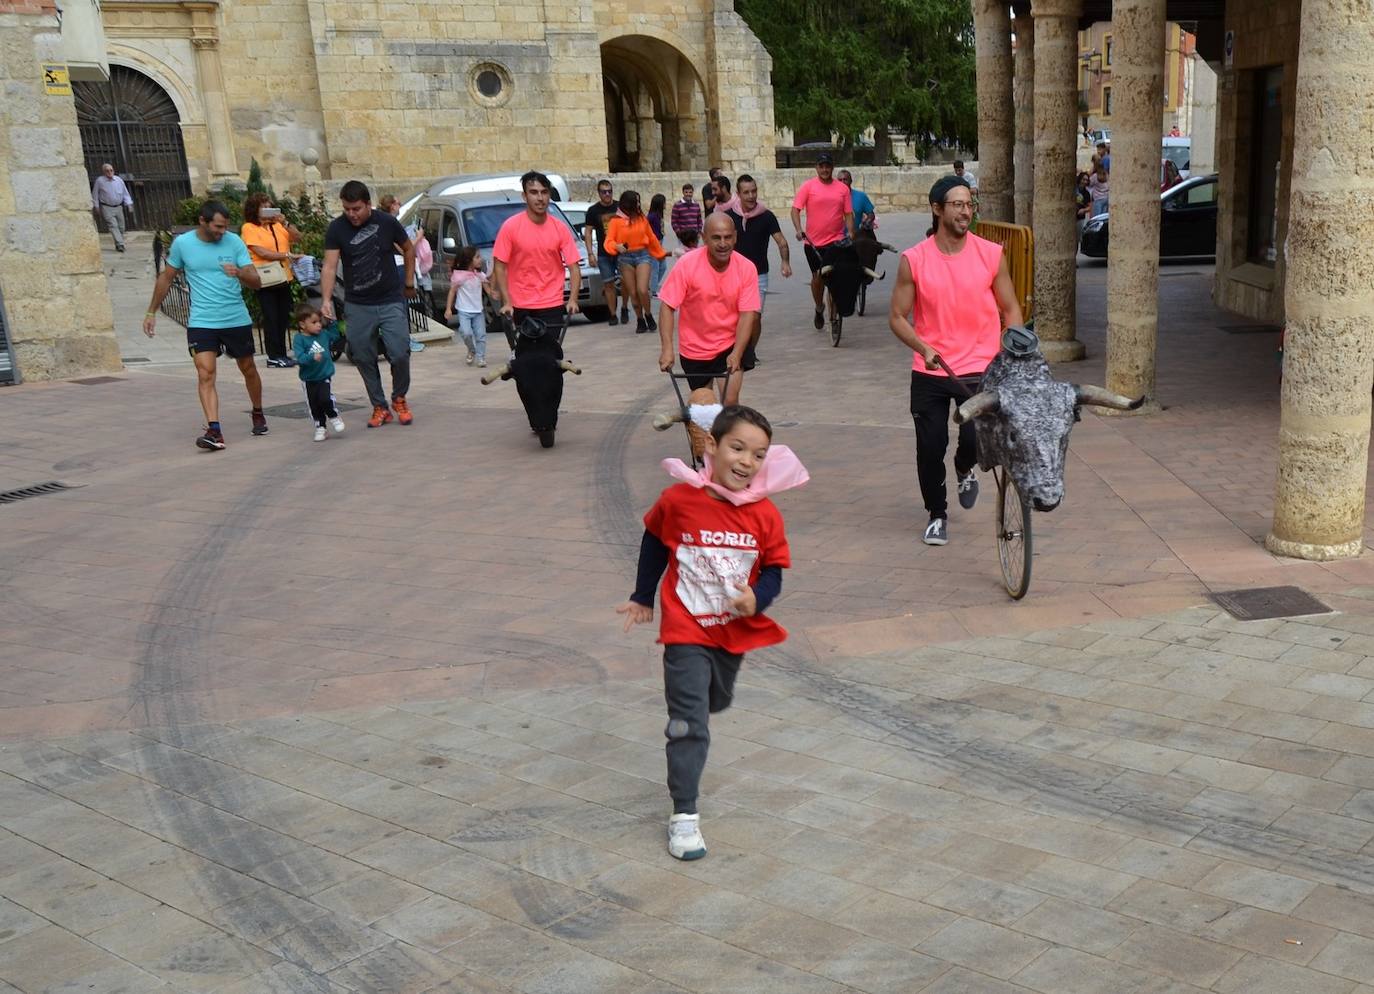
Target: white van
<point>1179,151</point>
<point>457,186</point>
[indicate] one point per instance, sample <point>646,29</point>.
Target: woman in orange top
<point>630,238</point>
<point>269,239</point>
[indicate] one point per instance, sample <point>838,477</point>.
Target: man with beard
<point>953,297</point>
<point>755,227</point>
<point>217,267</point>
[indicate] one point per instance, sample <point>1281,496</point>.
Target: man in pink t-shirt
<point>711,297</point>
<point>532,252</point>
<point>829,218</point>
<point>953,297</point>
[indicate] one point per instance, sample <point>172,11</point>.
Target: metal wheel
<point>836,327</point>
<point>863,297</point>
<point>1013,535</point>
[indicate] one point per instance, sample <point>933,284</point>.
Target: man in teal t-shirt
<point>217,266</point>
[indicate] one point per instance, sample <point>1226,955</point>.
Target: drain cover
<point>91,381</point>
<point>37,490</point>
<point>1269,602</point>
<point>301,411</point>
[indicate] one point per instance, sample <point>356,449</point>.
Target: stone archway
<point>131,122</point>
<point>655,106</point>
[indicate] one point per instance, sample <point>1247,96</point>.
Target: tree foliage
<point>845,65</point>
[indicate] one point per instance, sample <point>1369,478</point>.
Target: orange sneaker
<point>380,416</point>
<point>403,414</point>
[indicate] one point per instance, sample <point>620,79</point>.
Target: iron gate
<point>133,124</point>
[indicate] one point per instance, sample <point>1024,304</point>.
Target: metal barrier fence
<point>1018,244</point>
<point>177,304</point>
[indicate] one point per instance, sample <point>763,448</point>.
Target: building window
<point>1107,47</point>
<point>1106,101</point>
<point>1267,152</point>
<point>490,84</point>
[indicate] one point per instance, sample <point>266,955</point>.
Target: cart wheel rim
<point>1013,536</point>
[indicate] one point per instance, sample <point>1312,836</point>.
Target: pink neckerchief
<point>733,204</point>
<point>781,470</point>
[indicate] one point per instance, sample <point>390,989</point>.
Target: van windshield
<point>480,224</point>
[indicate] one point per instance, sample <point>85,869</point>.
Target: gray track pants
<point>364,320</point>
<point>698,681</point>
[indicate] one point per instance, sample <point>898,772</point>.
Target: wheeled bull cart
<point>704,402</point>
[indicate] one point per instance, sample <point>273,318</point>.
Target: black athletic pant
<point>275,302</point>
<point>930,400</point>
<point>698,681</point>
<point>319,394</point>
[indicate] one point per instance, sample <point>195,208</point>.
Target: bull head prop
<point>537,367</point>
<point>1023,416</point>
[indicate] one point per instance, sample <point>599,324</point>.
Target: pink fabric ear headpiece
<point>781,470</point>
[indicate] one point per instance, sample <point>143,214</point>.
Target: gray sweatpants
<point>114,220</point>
<point>364,320</point>
<point>698,681</point>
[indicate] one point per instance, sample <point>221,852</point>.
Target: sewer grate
<point>37,490</point>
<point>302,412</point>
<point>91,381</point>
<point>1260,603</point>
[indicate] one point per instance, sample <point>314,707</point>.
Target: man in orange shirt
<point>711,298</point>
<point>953,297</point>
<point>531,253</point>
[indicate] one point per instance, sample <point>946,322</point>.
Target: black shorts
<point>701,372</point>
<point>813,257</point>
<point>236,343</point>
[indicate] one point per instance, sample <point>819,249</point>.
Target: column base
<point>1315,553</point>
<point>1150,406</point>
<point>1070,351</point>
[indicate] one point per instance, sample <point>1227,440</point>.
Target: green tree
<point>845,65</point>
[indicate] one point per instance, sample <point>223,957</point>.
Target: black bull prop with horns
<point>537,366</point>
<point>1022,416</point>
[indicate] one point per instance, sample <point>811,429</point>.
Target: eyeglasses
<point>959,204</point>
<point>604,191</point>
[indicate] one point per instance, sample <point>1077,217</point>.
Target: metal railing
<point>177,304</point>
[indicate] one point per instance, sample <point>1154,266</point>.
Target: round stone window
<point>490,84</point>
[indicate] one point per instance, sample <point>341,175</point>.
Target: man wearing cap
<point>953,297</point>
<point>829,219</point>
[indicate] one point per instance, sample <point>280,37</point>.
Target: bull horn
<point>825,270</point>
<point>501,372</point>
<point>874,276</point>
<point>1102,397</point>
<point>568,367</point>
<point>983,402</point>
<point>662,422</point>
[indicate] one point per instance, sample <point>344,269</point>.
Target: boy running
<point>722,543</point>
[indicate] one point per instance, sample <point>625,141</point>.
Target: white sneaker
<point>336,425</point>
<point>471,356</point>
<point>320,433</point>
<point>936,532</point>
<point>684,837</point>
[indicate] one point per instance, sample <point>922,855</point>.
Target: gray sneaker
<point>937,532</point>
<point>968,490</point>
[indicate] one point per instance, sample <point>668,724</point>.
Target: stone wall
<point>1267,34</point>
<point>55,295</point>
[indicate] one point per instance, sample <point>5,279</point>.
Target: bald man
<point>711,299</point>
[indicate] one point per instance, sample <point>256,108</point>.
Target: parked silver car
<point>456,220</point>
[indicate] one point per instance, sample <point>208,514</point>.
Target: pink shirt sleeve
<point>570,255</point>
<point>501,250</point>
<point>674,288</point>
<point>749,299</point>
<point>799,201</point>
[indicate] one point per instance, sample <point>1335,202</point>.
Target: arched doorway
<point>655,106</point>
<point>132,123</point>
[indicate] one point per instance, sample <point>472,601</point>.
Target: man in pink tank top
<point>953,297</point>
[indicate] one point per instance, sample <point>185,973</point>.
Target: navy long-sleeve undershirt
<point>653,560</point>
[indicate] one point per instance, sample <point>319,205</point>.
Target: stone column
<point>210,76</point>
<point>992,39</point>
<point>1133,265</point>
<point>1329,346</point>
<point>1056,141</point>
<point>1024,94</point>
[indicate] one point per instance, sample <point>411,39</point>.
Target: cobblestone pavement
<point>356,717</point>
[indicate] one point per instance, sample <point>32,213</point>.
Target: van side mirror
<point>450,245</point>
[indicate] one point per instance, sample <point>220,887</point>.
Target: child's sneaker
<point>336,425</point>
<point>684,837</point>
<point>320,433</point>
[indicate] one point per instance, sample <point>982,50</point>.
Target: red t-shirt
<point>535,256</point>
<point>709,302</point>
<point>956,310</point>
<point>825,204</point>
<point>713,544</point>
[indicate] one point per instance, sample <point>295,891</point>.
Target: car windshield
<point>482,223</point>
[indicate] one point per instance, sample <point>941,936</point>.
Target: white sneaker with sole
<point>684,837</point>
<point>336,425</point>
<point>968,490</point>
<point>936,532</point>
<point>320,433</point>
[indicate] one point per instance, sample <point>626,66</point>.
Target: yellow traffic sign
<point>56,80</point>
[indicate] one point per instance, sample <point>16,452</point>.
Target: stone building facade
<point>49,253</point>
<point>414,90</point>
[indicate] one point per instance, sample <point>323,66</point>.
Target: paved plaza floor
<point>358,716</point>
